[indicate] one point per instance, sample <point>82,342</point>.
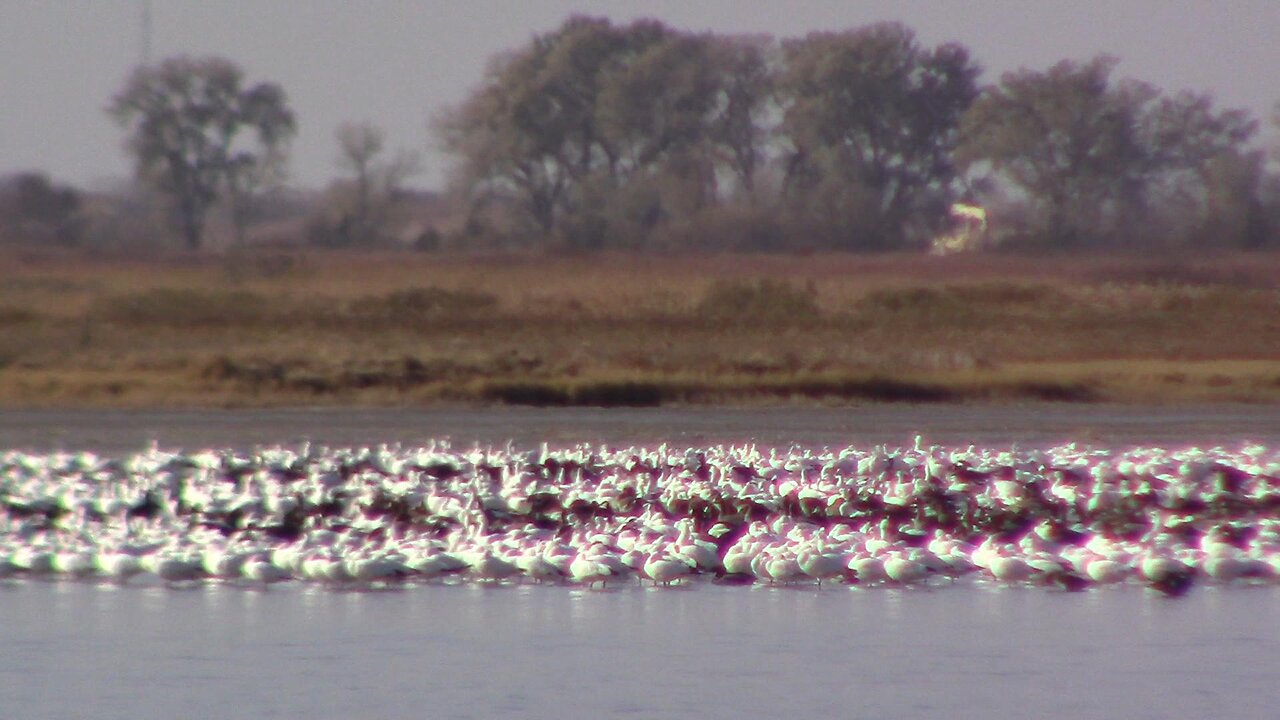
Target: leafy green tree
<point>196,131</point>
<point>872,115</point>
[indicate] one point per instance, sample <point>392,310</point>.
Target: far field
<point>285,327</point>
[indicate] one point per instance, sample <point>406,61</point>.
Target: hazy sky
<point>395,64</point>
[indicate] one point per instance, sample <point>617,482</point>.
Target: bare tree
<point>367,200</point>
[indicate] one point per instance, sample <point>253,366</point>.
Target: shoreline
<point>1022,424</point>
<point>1120,382</point>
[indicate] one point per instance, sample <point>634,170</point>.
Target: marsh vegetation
<point>322,328</point>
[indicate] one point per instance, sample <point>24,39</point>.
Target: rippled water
<point>79,650</point>
<point>74,649</point>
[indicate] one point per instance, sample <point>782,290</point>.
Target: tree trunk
<point>192,226</point>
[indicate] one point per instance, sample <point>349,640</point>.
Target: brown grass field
<point>283,327</point>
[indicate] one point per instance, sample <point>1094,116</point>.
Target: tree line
<point>602,135</point>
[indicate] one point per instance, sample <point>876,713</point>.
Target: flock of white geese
<point>1068,516</point>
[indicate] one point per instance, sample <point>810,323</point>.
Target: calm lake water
<point>116,431</point>
<point>707,652</point>
<point>76,649</point>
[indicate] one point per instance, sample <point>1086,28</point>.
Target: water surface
<point>74,649</point>
<point>708,652</point>
<point>120,431</point>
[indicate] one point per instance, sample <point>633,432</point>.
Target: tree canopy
<point>196,131</point>
<point>873,115</point>
<point>1092,155</point>
<point>596,129</point>
<point>597,134</point>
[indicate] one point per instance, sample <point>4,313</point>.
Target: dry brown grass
<point>287,328</point>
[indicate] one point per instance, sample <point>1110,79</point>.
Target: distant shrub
<point>180,306</point>
<point>1055,391</point>
<point>322,377</point>
<point>957,298</point>
<point>422,303</point>
<point>253,372</point>
<point>735,227</point>
<point>35,210</point>
<point>762,300</point>
<point>241,264</point>
<point>1186,272</point>
<point>537,394</point>
<point>596,394</point>
<point>1003,293</point>
<point>877,389</point>
<point>11,315</point>
<point>431,240</point>
<point>619,394</point>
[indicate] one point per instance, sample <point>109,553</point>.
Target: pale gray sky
<point>395,63</point>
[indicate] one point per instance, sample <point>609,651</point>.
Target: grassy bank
<point>291,328</point>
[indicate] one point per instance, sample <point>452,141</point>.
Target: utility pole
<point>146,32</point>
